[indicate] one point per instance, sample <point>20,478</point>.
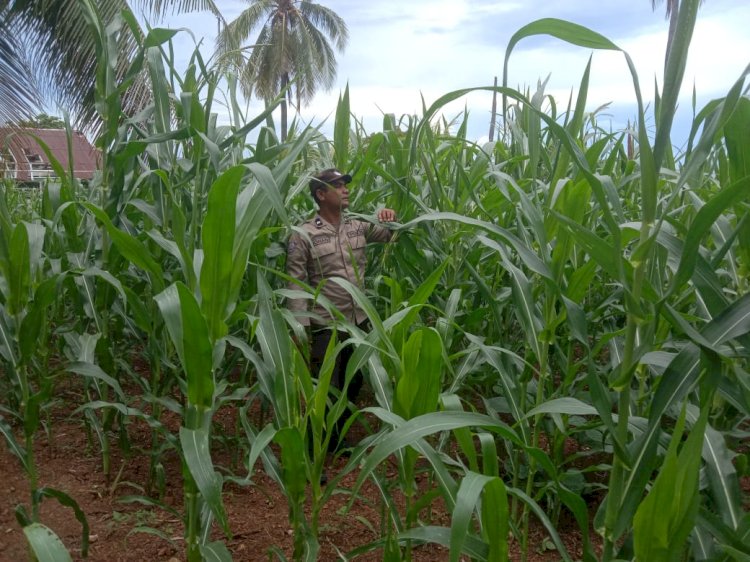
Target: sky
<point>403,51</point>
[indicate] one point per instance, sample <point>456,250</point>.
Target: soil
<point>67,460</point>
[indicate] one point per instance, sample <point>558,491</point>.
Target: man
<point>334,247</point>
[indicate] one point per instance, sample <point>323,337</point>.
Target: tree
<point>292,53</point>
<point>47,52</point>
<point>43,121</point>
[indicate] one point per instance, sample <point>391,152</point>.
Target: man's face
<point>335,196</point>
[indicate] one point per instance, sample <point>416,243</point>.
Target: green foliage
<point>665,519</point>
<point>43,121</point>
<point>549,306</point>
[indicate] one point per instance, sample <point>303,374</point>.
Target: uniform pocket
<point>322,245</point>
<point>356,239</point>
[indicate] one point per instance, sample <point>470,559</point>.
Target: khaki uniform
<point>331,253</point>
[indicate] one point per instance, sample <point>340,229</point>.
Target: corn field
<point>563,301</point>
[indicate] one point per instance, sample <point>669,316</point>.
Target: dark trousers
<point>320,337</point>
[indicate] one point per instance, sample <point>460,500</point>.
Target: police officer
<point>334,247</point>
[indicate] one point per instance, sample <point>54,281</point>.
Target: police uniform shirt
<point>331,253</point>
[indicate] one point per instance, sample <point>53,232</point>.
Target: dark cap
<point>325,178</point>
<point>329,176</point>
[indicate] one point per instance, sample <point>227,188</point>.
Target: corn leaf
<point>292,463</point>
<point>13,445</point>
<point>495,518</point>
<point>32,325</point>
<point>473,546</point>
<point>467,501</point>
<point>130,247</point>
<point>341,131</point>
<point>218,245</point>
<point>722,477</point>
<point>666,517</point>
<point>418,387</point>
<point>19,278</point>
<point>67,501</point>
<point>215,551</point>
<point>276,345</point>
<point>189,333</point>
<point>197,455</point>
<point>46,545</point>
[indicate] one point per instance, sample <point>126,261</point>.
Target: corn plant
<point>29,290</point>
<point>565,288</point>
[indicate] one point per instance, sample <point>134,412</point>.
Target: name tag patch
<point>318,240</point>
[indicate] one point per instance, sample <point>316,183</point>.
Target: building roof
<point>22,158</point>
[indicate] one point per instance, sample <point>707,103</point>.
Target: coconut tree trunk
<point>284,84</point>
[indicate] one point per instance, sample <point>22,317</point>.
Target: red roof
<point>22,158</point>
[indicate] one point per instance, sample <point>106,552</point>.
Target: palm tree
<point>16,98</point>
<point>292,53</point>
<point>47,52</point>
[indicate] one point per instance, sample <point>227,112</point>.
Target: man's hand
<point>387,215</point>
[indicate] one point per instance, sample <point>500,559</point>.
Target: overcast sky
<point>400,50</point>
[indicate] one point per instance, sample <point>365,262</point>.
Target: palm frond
<point>17,90</point>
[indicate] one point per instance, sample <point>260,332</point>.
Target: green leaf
<point>46,545</point>
<point>580,510</point>
<point>13,444</point>
<point>418,298</point>
<point>544,520</point>
<point>679,378</point>
<point>415,429</point>
<point>511,392</point>
<point>472,546</point>
<point>666,517</point>
<point>674,72</point>
<point>195,450</point>
<point>93,371</point>
<point>727,539</point>
<point>341,131</point>
<point>215,551</point>
<point>158,36</point>
<point>565,30</point>
<point>495,518</point>
<point>67,501</point>
<point>567,405</point>
<point>218,249</point>
<point>189,333</point>
<point>130,247</point>
<point>30,334</point>
<point>528,257</point>
<point>19,278</point>
<point>722,477</point>
<point>700,225</point>
<point>318,413</point>
<point>603,253</point>
<point>292,462</point>
<point>161,114</point>
<point>737,138</point>
<point>276,345</point>
<point>418,387</point>
<point>494,515</point>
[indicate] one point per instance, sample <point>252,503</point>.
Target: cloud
<point>400,51</point>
